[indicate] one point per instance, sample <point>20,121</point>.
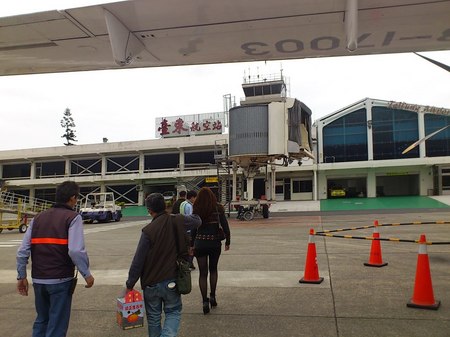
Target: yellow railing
<point>13,203</point>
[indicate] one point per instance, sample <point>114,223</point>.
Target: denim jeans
<point>160,297</point>
<point>53,303</point>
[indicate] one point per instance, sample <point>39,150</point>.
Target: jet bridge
<point>266,130</point>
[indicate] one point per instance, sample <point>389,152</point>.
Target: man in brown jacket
<point>154,263</point>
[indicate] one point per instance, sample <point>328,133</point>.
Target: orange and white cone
<point>423,297</point>
<point>311,274</point>
<point>375,258</point>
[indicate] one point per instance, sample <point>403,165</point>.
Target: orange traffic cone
<point>423,296</point>
<point>311,274</point>
<point>375,259</point>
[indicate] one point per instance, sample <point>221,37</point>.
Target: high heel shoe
<point>206,307</point>
<point>212,301</point>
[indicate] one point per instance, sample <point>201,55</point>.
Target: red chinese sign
<point>180,126</point>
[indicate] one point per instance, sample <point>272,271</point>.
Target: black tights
<point>213,257</point>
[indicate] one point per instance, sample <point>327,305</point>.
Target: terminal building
<point>360,150</point>
<point>355,152</point>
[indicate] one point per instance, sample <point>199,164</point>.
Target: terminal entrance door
<point>279,190</point>
<point>443,180</point>
<point>398,185</point>
<point>283,189</point>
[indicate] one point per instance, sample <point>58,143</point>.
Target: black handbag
<point>221,234</point>
<point>184,282</point>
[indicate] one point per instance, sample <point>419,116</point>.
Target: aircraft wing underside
<point>152,33</point>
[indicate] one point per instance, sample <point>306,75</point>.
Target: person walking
<point>206,240</point>
<point>186,206</point>
<point>55,242</point>
<point>176,204</point>
<point>186,209</point>
<point>155,264</point>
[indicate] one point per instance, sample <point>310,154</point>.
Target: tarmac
<point>259,293</point>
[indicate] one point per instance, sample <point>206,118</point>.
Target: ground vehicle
<point>14,221</point>
<point>17,210</point>
<point>247,211</point>
<point>101,207</point>
<point>336,192</point>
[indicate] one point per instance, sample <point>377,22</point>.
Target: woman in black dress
<point>206,240</point>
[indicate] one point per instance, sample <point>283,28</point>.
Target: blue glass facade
<point>439,144</point>
<point>345,139</point>
<point>393,131</point>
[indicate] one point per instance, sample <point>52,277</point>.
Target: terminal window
<point>393,131</point>
<point>345,139</point>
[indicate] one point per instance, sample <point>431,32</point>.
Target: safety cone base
<point>318,281</point>
<point>434,306</point>
<point>378,265</point>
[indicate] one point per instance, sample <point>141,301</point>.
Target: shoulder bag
<point>184,282</point>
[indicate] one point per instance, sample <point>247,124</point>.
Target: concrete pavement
<point>258,291</point>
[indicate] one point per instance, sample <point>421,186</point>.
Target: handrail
<point>12,202</point>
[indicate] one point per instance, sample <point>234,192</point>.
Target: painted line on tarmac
<point>233,279</point>
<point>16,243</point>
<point>107,228</point>
<point>267,279</point>
<point>10,243</point>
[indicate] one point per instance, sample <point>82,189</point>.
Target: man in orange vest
<point>55,241</point>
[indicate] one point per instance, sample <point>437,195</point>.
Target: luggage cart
<point>16,211</point>
<point>10,219</point>
<point>248,209</point>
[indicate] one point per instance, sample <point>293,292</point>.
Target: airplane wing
<point>420,141</point>
<point>437,63</point>
<point>155,33</point>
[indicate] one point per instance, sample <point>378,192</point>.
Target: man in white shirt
<point>186,206</point>
<point>186,209</point>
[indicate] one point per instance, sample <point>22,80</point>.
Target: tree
<point>68,124</point>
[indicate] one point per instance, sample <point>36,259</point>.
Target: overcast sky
<point>122,105</point>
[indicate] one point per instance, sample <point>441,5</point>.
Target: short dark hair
<point>191,194</point>
<point>155,202</point>
<point>66,190</point>
<point>182,194</point>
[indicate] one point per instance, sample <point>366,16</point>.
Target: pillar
<point>32,170</point>
<point>234,192</point>
<point>371,184</point>
<point>181,159</point>
<point>104,168</point>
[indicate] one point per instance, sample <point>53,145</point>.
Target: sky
<point>121,105</point>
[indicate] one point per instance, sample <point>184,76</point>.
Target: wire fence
<point>329,233</point>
